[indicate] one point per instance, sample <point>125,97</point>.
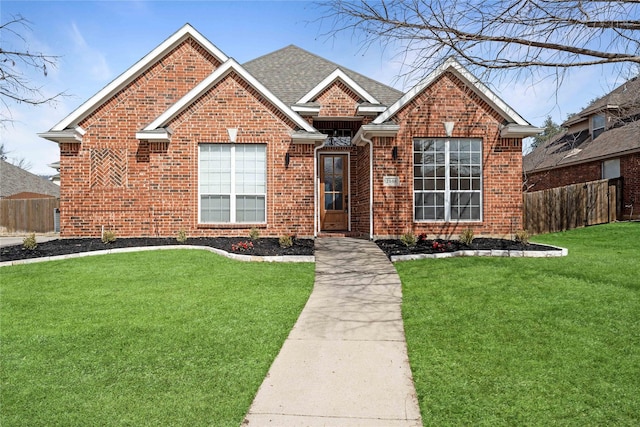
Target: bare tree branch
<point>497,35</point>
<point>15,86</point>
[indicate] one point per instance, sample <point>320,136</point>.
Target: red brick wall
<point>143,188</point>
<point>448,99</point>
<point>338,100</point>
<point>629,170</point>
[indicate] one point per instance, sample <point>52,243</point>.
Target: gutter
<point>316,204</point>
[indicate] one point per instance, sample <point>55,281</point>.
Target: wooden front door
<point>334,192</point>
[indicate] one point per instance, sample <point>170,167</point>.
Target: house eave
<point>158,135</point>
<point>68,136</point>
<point>301,137</point>
<point>371,110</point>
<point>306,110</point>
<point>519,131</point>
<point>370,131</point>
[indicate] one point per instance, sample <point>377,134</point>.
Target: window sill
<point>235,225</point>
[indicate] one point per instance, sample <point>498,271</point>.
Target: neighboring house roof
<point>627,95</point>
<point>515,126</point>
<point>291,73</point>
<point>14,180</point>
<point>621,137</point>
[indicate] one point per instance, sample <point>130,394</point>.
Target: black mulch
<point>265,246</point>
<point>396,247</point>
<point>262,247</point>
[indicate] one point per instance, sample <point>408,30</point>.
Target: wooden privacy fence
<point>572,206</point>
<point>28,215</point>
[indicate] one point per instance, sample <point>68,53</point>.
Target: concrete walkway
<point>345,361</point>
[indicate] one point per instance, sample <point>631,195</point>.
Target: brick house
<point>189,139</point>
<point>600,142</point>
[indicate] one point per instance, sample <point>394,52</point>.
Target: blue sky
<point>98,40</point>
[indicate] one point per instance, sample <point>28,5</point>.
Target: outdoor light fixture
<point>394,153</point>
<point>233,134</point>
<point>448,128</point>
<point>287,159</point>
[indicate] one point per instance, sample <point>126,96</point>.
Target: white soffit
<point>220,73</point>
<point>138,68</point>
<point>338,74</point>
<point>469,79</point>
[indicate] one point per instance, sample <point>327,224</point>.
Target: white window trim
<point>232,194</point>
<point>447,188</point>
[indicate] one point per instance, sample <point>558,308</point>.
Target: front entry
<point>334,192</point>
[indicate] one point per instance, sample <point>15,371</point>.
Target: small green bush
<point>108,236</point>
<point>29,243</point>
<point>466,237</point>
<point>522,236</point>
<point>254,234</point>
<point>286,241</point>
<point>182,236</point>
<point>409,239</point>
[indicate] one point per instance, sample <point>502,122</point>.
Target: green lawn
<point>180,338</point>
<point>508,341</point>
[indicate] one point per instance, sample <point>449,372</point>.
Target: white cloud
<point>92,60</point>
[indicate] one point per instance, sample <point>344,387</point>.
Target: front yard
<point>149,338</point>
<point>514,341</point>
<point>186,337</point>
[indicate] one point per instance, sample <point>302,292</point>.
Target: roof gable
<point>187,31</point>
<point>292,73</point>
<point>517,126</point>
<point>337,75</point>
<point>155,130</point>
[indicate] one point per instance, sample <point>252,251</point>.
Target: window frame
<point>233,193</point>
<point>606,166</point>
<point>600,129</point>
<point>447,181</point>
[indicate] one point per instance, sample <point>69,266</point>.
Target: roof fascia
<point>305,110</point>
<point>562,164</point>
<point>469,79</point>
<point>72,136</point>
<point>138,68</point>
<point>371,130</point>
<point>338,74</point>
<point>212,79</point>
<point>518,131</point>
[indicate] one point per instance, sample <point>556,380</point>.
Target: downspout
<point>367,140</point>
<point>316,210</point>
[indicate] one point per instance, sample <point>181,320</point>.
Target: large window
<point>232,183</point>
<point>447,179</point>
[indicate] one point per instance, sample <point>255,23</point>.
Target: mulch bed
<point>396,247</point>
<point>265,246</point>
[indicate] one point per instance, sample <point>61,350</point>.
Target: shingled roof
<point>622,136</point>
<point>14,180</point>
<point>291,72</point>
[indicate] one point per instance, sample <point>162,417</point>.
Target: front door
<point>334,192</point>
